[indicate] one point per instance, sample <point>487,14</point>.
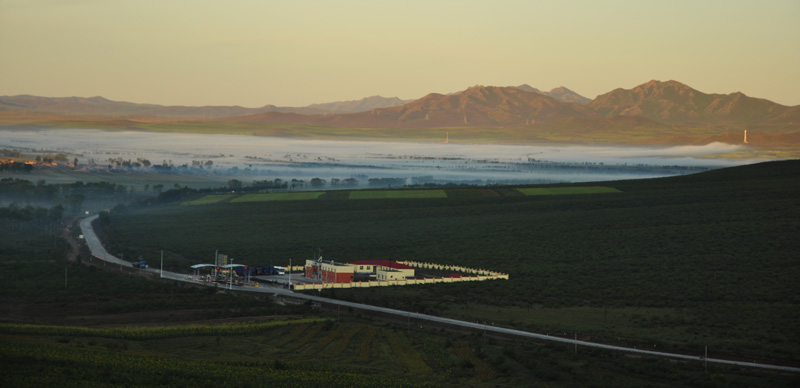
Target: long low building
<point>362,270</point>
<point>384,269</point>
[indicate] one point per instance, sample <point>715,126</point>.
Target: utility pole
<point>576,343</point>
<point>161,274</point>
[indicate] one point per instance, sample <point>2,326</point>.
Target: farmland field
<point>207,199</point>
<point>567,190</point>
<point>672,264</point>
<point>299,196</point>
<point>397,194</point>
<point>679,263</point>
<point>326,353</point>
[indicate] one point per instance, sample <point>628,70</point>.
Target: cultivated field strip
<point>396,194</point>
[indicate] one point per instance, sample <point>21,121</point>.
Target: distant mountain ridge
<point>674,102</point>
<point>362,105</point>
<point>101,106</point>
<point>475,106</point>
<point>654,107</point>
<point>560,93</point>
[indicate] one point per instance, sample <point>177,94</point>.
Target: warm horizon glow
<point>294,53</point>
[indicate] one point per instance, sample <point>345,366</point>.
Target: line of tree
<point>30,213</point>
<point>16,167</point>
<point>69,195</point>
<point>51,158</point>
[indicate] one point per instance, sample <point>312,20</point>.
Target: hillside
<point>674,102</point>
<point>681,262</point>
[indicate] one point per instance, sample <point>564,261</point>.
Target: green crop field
<point>567,190</point>
<point>397,194</point>
<point>349,353</point>
<point>297,196</point>
<point>207,199</point>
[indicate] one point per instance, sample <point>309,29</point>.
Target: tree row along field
<point>676,264</point>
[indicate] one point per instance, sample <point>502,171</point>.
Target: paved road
<point>98,251</point>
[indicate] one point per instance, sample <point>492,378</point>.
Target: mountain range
<point>653,104</point>
<point>668,109</point>
<point>560,93</point>
<point>100,106</point>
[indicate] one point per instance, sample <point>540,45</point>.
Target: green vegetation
<point>152,332</point>
<point>394,194</point>
<point>567,190</point>
<point>377,355</point>
<point>409,357</point>
<point>679,263</point>
<point>89,365</point>
<point>398,194</point>
<point>207,199</point>
<point>297,196</point>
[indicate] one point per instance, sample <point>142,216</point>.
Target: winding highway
<point>97,249</point>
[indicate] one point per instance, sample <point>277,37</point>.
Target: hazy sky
<point>298,52</point>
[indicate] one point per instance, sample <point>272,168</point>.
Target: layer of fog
<point>284,158</point>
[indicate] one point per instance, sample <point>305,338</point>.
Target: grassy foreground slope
<point>676,263</point>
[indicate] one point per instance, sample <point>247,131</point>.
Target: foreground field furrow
<point>85,367</point>
<point>366,347</point>
<point>344,342</point>
<point>402,349</point>
<point>321,345</point>
<point>299,330</point>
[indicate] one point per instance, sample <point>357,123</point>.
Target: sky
<point>299,52</point>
